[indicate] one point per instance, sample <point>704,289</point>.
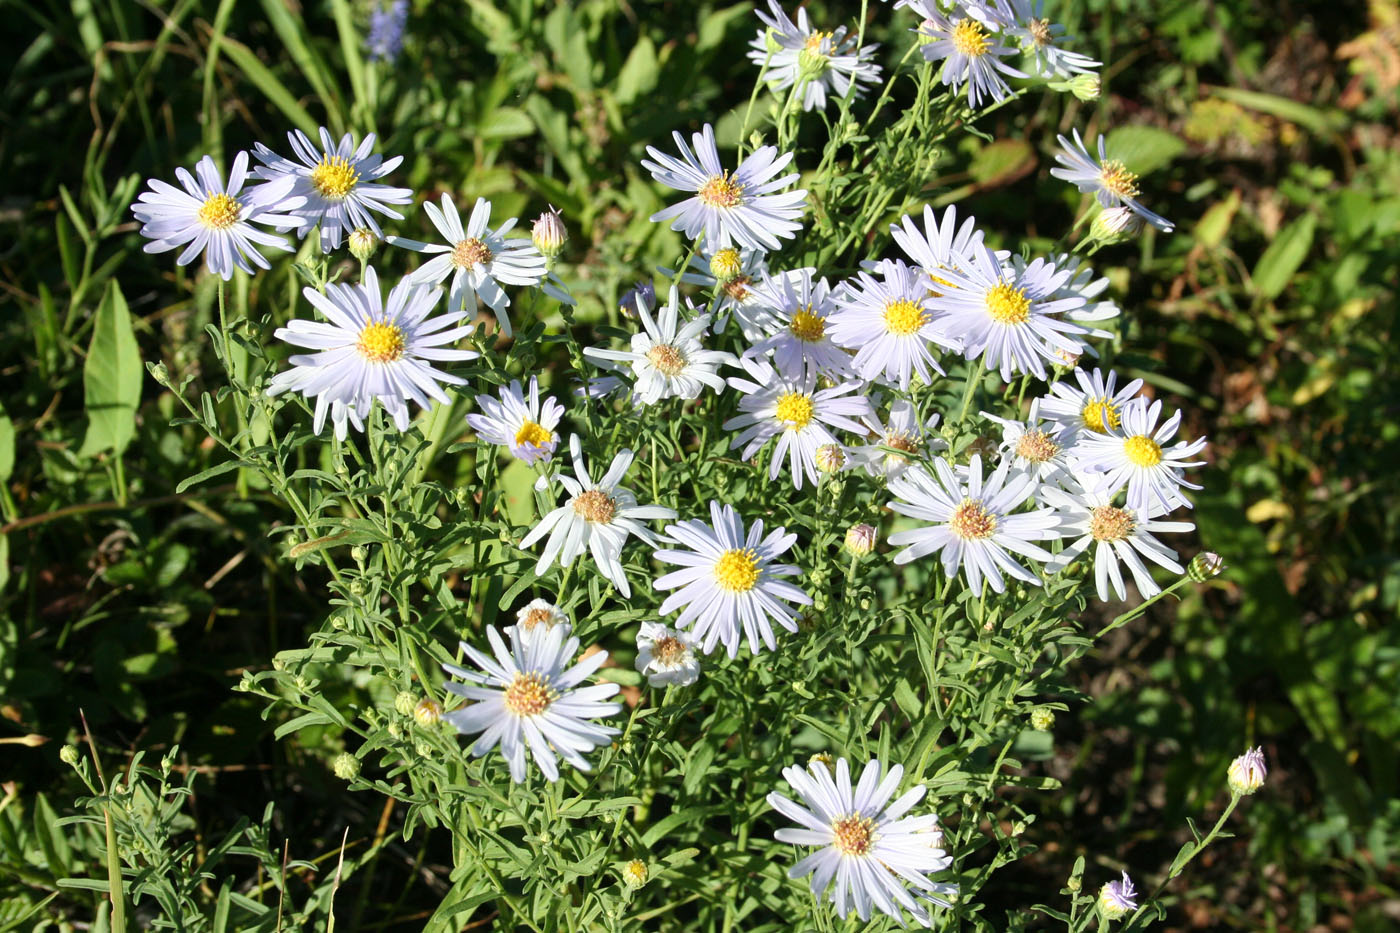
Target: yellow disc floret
<point>795,408</point>
<point>219,212</point>
<point>737,571</point>
<point>381,343</point>
<point>853,835</point>
<point>904,317</point>
<point>806,326</point>
<point>1142,450</point>
<point>970,38</point>
<point>1117,180</point>
<point>528,695</point>
<point>532,433</point>
<point>721,191</point>
<point>1099,414</point>
<point>1008,304</point>
<point>972,521</point>
<point>334,178</point>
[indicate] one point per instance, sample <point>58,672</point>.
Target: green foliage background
<point>1270,129</point>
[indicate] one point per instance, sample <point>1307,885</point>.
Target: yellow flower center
<point>736,571</point>
<point>1107,523</point>
<point>721,191</point>
<point>795,408</point>
<point>853,835</point>
<point>1037,447</point>
<point>815,40</point>
<point>806,326</point>
<point>669,650</point>
<point>667,359</point>
<point>904,317</point>
<point>219,212</point>
<point>726,264</point>
<point>381,343</point>
<point>971,521</point>
<point>596,506</point>
<point>531,433</point>
<point>469,252</point>
<point>970,39</point>
<point>941,283</point>
<point>334,178</point>
<point>1143,451</point>
<point>1117,180</point>
<point>1099,414</point>
<point>1008,305</point>
<point>528,695</point>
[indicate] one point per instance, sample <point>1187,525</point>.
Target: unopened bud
<point>549,233</point>
<point>830,458</point>
<point>346,766</point>
<point>68,754</point>
<point>404,703</point>
<point>1082,86</point>
<point>824,759</point>
<point>1042,719</point>
<point>1205,565</point>
<point>860,539</point>
<point>359,553</point>
<point>726,265</point>
<point>1117,898</point>
<point>643,293</point>
<point>427,713</point>
<point>1247,772</point>
<point>1116,224</point>
<point>634,873</point>
<point>363,243</point>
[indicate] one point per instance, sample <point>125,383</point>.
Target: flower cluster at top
<point>824,375</point>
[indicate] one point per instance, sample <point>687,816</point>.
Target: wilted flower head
<point>1118,898</point>
<point>1247,772</point>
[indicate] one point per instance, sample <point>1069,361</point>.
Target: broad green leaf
<point>1143,149</point>
<point>1001,162</point>
<point>1283,257</point>
<point>1215,222</point>
<point>639,73</point>
<point>1310,118</point>
<point>7,445</point>
<point>111,377</point>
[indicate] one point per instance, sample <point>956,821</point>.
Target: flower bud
<point>1115,224</point>
<point>860,539</point>
<point>427,713</point>
<point>830,458</point>
<point>1247,772</point>
<point>160,373</point>
<point>359,553</point>
<point>424,750</point>
<point>1067,359</point>
<point>1117,898</point>
<point>1205,565</point>
<point>1082,86</point>
<point>1042,719</point>
<point>726,265</point>
<point>404,703</point>
<point>634,873</point>
<point>549,233</point>
<point>357,587</point>
<point>363,243</point>
<point>68,754</point>
<point>346,766</point>
<point>643,292</point>
<point>822,758</point>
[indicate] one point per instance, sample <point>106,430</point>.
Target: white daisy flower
<point>1115,534</point>
<point>730,587</point>
<point>526,427</point>
<point>1009,317</point>
<point>794,410</point>
<point>798,337</point>
<point>1038,37</point>
<point>666,656</point>
<point>938,246</point>
<point>1141,456</point>
<point>598,518</point>
<point>215,219</point>
<point>1108,179</point>
<point>971,50</point>
<point>744,207</point>
<point>1038,445</point>
<point>869,847</point>
<point>890,324</point>
<point>667,360</point>
<point>972,521</point>
<point>1096,406</point>
<point>901,431</point>
<point>733,275</point>
<point>337,183</point>
<point>478,258</point>
<point>528,697</point>
<point>536,617</point>
<point>370,350</point>
<point>821,62</point>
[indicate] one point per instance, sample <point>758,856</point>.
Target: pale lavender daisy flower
<point>898,441</point>
<point>526,427</point>
<point>1038,37</point>
<point>1096,406</point>
<point>822,62</point>
<point>971,50</point>
<point>869,847</point>
<point>732,275</point>
<point>1141,456</point>
<point>1118,898</point>
<point>729,587</point>
<point>337,182</point>
<point>530,698</point>
<point>891,325</point>
<point>386,27</point>
<point>972,522</point>
<point>940,245</point>
<point>746,207</point>
<point>666,656</point>
<point>1247,773</point>
<point>371,350</point>
<point>798,337</point>
<point>1038,445</point>
<point>215,219</point>
<point>1108,179</point>
<point>477,258</point>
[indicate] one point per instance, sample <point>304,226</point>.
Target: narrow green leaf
<point>111,377</point>
<point>265,81</point>
<point>1283,257</point>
